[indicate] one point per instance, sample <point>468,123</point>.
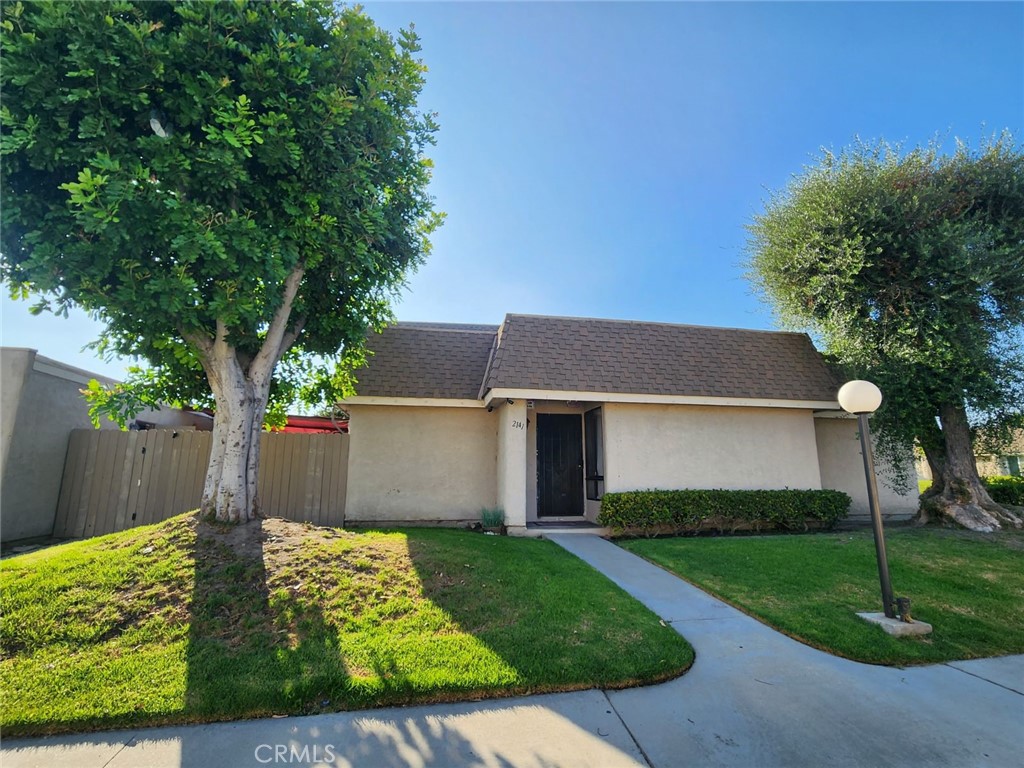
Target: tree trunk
<point>957,494</point>
<point>229,494</point>
<point>933,445</point>
<point>241,389</point>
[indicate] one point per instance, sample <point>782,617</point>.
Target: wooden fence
<point>117,480</point>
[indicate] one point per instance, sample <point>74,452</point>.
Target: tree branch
<point>271,350</point>
<point>290,337</point>
<point>198,339</point>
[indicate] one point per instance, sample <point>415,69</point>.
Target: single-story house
<point>542,415</point>
<point>1009,462</point>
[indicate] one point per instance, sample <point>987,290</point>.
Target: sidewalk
<point>753,698</point>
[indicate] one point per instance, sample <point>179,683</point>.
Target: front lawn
<point>970,587</point>
<point>188,622</point>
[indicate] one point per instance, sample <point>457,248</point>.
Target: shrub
<point>1005,489</point>
<point>651,511</point>
<point>492,518</point>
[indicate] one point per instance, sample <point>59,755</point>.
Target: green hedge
<point>649,512</point>
<point>1005,489</point>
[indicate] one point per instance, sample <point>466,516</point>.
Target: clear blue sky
<point>601,159</point>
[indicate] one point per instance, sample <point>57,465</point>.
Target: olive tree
<point>222,184</point>
<point>909,266</point>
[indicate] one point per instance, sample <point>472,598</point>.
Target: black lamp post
<point>862,398</point>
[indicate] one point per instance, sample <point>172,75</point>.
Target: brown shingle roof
<point>589,355</point>
<point>439,360</point>
<point>436,360</point>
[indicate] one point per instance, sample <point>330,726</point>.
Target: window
<point>593,428</point>
<point>1013,465</point>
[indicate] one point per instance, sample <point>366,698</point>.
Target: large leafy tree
<point>224,184</point>
<point>910,267</point>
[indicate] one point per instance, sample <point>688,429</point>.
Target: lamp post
<point>862,398</point>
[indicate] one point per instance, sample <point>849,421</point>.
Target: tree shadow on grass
<point>547,615</point>
<point>256,646</point>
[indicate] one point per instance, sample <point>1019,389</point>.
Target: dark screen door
<point>559,465</point>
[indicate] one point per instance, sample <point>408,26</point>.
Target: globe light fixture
<point>862,398</point>
<point>859,397</point>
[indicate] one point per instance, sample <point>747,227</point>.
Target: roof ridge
<point>660,322</point>
<point>448,327</point>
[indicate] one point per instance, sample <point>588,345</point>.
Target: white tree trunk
<point>240,396</point>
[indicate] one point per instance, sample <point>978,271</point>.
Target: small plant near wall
<point>493,520</point>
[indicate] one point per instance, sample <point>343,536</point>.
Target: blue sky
<point>602,159</point>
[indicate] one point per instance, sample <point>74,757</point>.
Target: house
<point>543,415</point>
<point>1009,462</point>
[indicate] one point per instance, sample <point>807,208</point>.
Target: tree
<point>223,184</point>
<point>910,268</point>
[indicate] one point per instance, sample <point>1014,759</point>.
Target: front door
<point>559,465</point>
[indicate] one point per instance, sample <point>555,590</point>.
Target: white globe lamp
<point>859,397</point>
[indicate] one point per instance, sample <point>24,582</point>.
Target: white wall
<point>420,464</point>
<point>682,446</point>
<point>842,469</point>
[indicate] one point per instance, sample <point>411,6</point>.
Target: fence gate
<point>117,480</point>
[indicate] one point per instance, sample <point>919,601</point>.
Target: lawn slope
<point>188,622</point>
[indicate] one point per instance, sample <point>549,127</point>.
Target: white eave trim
<point>625,397</point>
<point>60,370</point>
<point>433,402</point>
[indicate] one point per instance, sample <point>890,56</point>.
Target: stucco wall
<point>679,446</point>
<point>41,404</point>
<point>511,470</point>
<point>420,463</point>
<point>842,469</point>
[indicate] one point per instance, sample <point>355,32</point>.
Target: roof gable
<point>432,360</point>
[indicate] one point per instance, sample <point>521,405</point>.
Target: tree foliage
<point>909,266</point>
<point>243,174</point>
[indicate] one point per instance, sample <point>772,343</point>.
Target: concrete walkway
<point>753,698</point>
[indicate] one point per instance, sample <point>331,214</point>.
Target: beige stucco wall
<point>420,464</point>
<point>680,446</point>
<point>842,469</point>
<point>512,463</point>
<point>40,403</point>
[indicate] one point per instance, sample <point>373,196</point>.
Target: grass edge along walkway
<point>185,622</point>
<point>970,587</point>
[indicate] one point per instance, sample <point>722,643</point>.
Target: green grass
<point>923,485</point>
<point>186,622</point>
<point>970,587</point>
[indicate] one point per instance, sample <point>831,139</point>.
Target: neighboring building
<point>1009,462</point>
<point>542,415</point>
<point>40,403</point>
